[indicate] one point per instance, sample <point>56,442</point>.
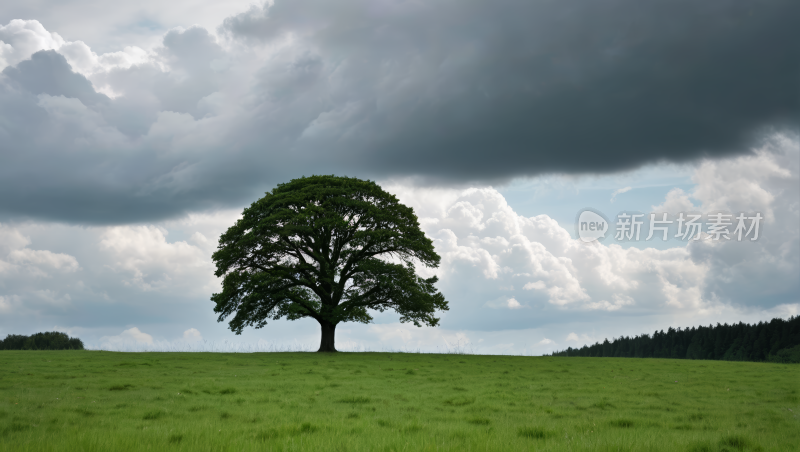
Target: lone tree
<point>330,248</point>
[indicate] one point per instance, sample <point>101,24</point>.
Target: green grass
<point>101,401</point>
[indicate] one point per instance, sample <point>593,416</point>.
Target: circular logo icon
<point>591,225</point>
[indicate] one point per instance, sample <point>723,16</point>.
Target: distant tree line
<point>41,341</point>
<point>775,341</point>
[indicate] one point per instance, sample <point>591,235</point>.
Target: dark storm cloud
<point>523,87</point>
<point>452,92</point>
<point>68,153</point>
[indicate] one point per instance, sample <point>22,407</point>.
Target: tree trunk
<point>328,336</point>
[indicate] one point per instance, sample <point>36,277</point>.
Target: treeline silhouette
<point>775,341</point>
<point>41,341</point>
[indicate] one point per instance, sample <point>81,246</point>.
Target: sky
<point>133,135</point>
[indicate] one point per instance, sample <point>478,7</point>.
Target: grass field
<point>103,401</point>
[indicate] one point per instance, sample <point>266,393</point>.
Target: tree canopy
<point>51,340</point>
<point>329,248</point>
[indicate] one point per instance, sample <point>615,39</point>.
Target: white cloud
<point>136,335</point>
<point>84,61</point>
<point>504,246</point>
<point>538,285</point>
<point>151,263</point>
<point>503,302</point>
<point>748,183</point>
<point>44,258</point>
<point>192,335</point>
<point>33,281</point>
<point>737,272</point>
<point>131,336</point>
<point>619,192</point>
<point>22,38</point>
<point>11,239</point>
<point>25,267</point>
<point>199,239</point>
<point>676,201</point>
<point>619,302</point>
<point>113,26</point>
<point>585,339</point>
<point>744,184</point>
<point>117,264</point>
<point>486,246</point>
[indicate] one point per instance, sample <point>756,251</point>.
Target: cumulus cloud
<point>142,255</point>
<point>485,244</point>
<point>36,284</point>
<point>750,183</point>
<point>505,302</point>
<point>21,263</point>
<point>493,243</point>
<point>111,276</point>
<point>131,336</point>
<point>676,201</point>
<point>109,27</point>
<point>440,91</point>
<point>43,258</point>
<point>20,39</point>
<point>766,183</point>
<point>538,285</point>
<point>192,335</point>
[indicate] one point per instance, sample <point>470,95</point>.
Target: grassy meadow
<point>105,401</point>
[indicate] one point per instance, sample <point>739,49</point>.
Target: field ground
<point>104,401</point>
